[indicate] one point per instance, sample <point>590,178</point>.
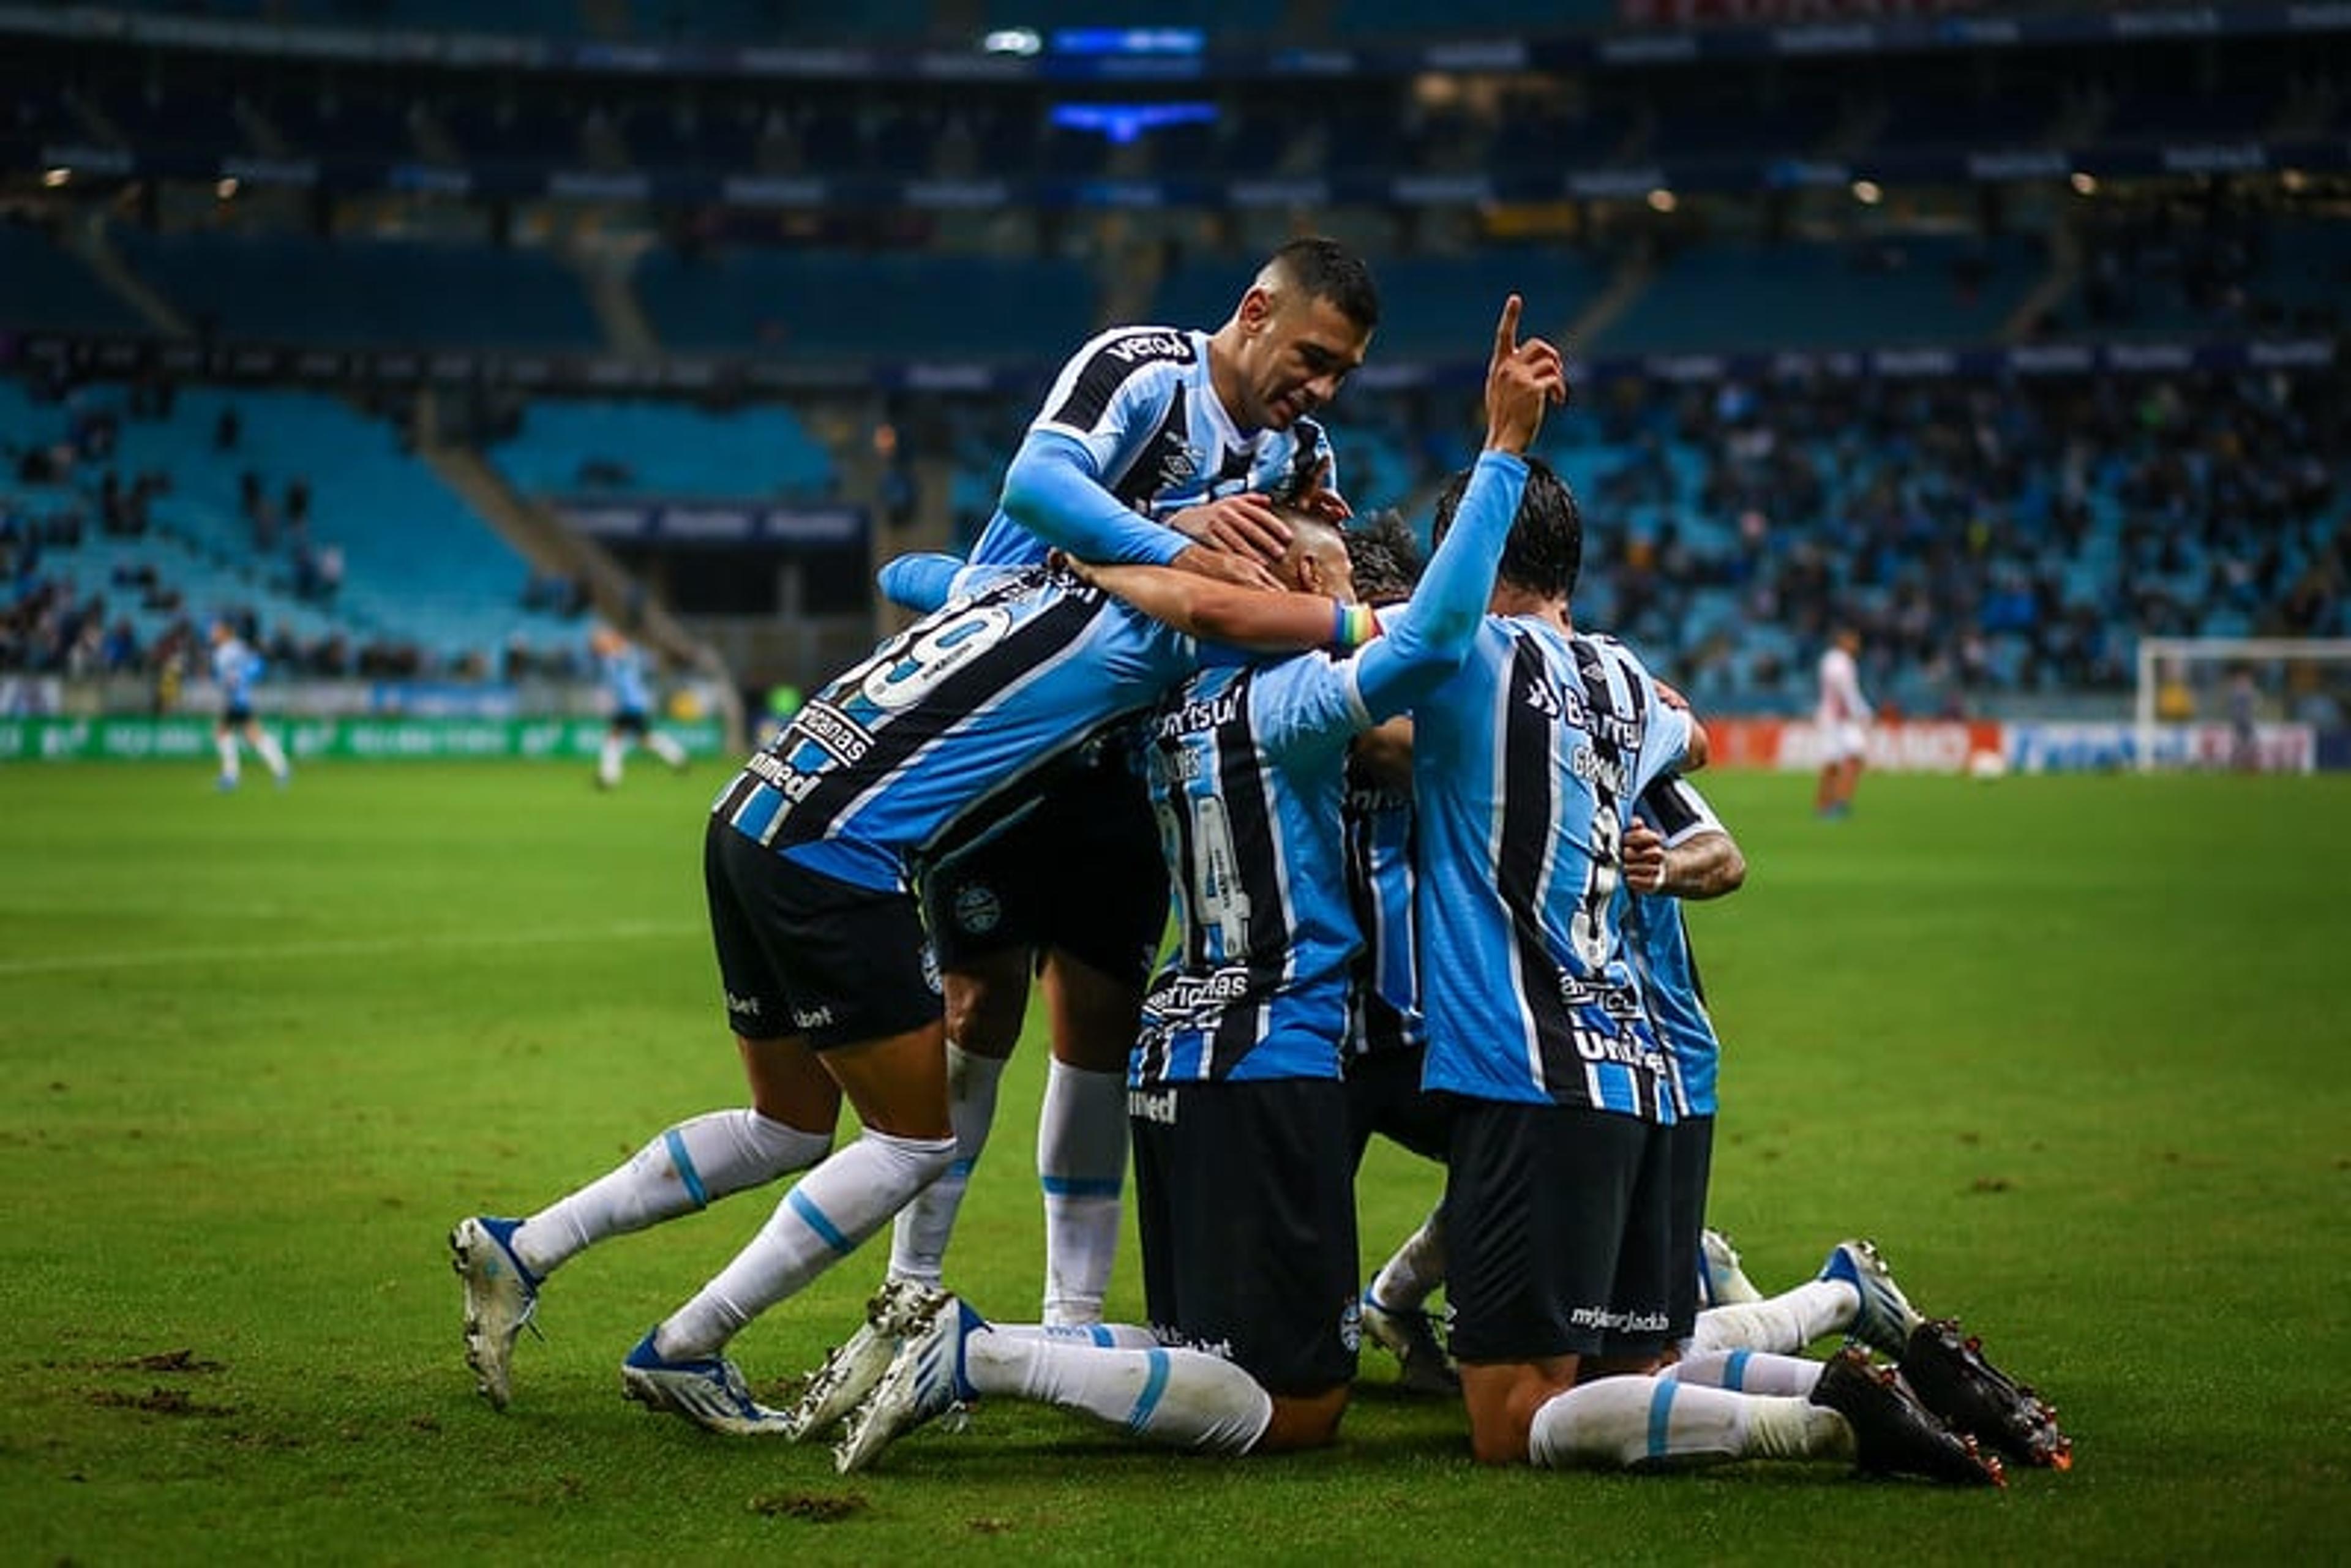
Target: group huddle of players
<point>1424,861</point>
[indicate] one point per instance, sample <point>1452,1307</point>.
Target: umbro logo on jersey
<point>1150,346</point>
<point>1177,465</point>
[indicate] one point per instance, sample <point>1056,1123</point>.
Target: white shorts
<point>1844,742</point>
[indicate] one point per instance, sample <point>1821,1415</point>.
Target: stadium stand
<point>639,447</point>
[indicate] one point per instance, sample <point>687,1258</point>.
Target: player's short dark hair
<point>1384,556</point>
<point>1544,552</point>
<point>1325,270</point>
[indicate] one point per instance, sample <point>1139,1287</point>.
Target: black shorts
<point>1080,872</point>
<point>1385,1097</point>
<point>1556,1220</point>
<point>1691,1142</point>
<point>236,715</point>
<point>629,722</point>
<point>1245,1208</point>
<point>804,954</point>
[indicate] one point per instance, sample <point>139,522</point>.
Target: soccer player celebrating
<point>830,988</point>
<point>236,666</point>
<point>1161,445</point>
<point>1242,1157</point>
<point>1843,718</point>
<point>622,666</point>
<point>1526,767</point>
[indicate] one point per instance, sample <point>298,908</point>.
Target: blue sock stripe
<point>683,1162</point>
<point>960,1169</point>
<point>1661,1411</point>
<point>1734,1370</point>
<point>1147,1404</point>
<point>815,1219</point>
<point>1100,1333</point>
<point>1080,1186</point>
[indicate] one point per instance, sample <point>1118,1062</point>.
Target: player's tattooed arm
<point>1704,865</point>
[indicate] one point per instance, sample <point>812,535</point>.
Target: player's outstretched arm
<point>1053,489</point>
<point>1249,618</point>
<point>1427,640</point>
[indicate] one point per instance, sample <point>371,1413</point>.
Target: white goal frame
<point>2153,651</point>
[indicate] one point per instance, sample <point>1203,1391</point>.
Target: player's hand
<point>1224,566</point>
<point>1317,496</point>
<point>1643,853</point>
<point>1523,379</point>
<point>1245,524</point>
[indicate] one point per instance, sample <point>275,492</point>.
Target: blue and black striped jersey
<point>1139,402</point>
<point>1657,937</point>
<point>943,722</point>
<point>1526,766</point>
<point>1384,989</point>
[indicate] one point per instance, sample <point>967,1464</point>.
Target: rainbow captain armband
<point>1353,626</point>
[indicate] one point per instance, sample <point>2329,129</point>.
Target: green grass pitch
<point>2073,1050</point>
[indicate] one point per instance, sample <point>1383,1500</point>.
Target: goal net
<point>2249,704</point>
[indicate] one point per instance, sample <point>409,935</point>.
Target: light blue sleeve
<point>1054,490</point>
<point>1665,743</point>
<point>920,581</point>
<point>1428,640</point>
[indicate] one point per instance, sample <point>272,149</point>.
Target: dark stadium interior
<point>2013,332</point>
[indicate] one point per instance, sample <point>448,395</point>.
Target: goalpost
<point>2252,704</point>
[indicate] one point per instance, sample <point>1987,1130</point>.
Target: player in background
<point>236,666</point>
<point>1160,445</point>
<point>1842,718</point>
<point>1242,1158</point>
<point>1526,768</point>
<point>622,666</point>
<point>830,988</point>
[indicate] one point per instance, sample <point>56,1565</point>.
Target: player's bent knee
<point>1304,1421</point>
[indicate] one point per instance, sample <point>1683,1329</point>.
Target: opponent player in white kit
<point>1843,720</point>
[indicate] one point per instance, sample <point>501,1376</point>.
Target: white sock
<point>1104,1336</point>
<point>1082,1165</point>
<point>267,745</point>
<point>688,1167</point>
<point>1182,1399</point>
<point>1784,1323</point>
<point>663,747</point>
<point>820,1221</point>
<point>226,745</point>
<point>918,1237</point>
<point>1627,1421</point>
<point>1405,1280</point>
<point>608,760</point>
<point>1749,1372</point>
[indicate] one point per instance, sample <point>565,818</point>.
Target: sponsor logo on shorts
<point>1173,1339</point>
<point>1144,1106</point>
<point>1617,1322</point>
<point>931,971</point>
<point>742,1007</point>
<point>977,909</point>
<point>1350,1324</point>
<point>811,1017</point>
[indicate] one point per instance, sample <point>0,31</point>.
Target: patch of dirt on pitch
<point>988,1526</point>
<point>814,1510</point>
<point>163,1360</point>
<point>159,1401</point>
